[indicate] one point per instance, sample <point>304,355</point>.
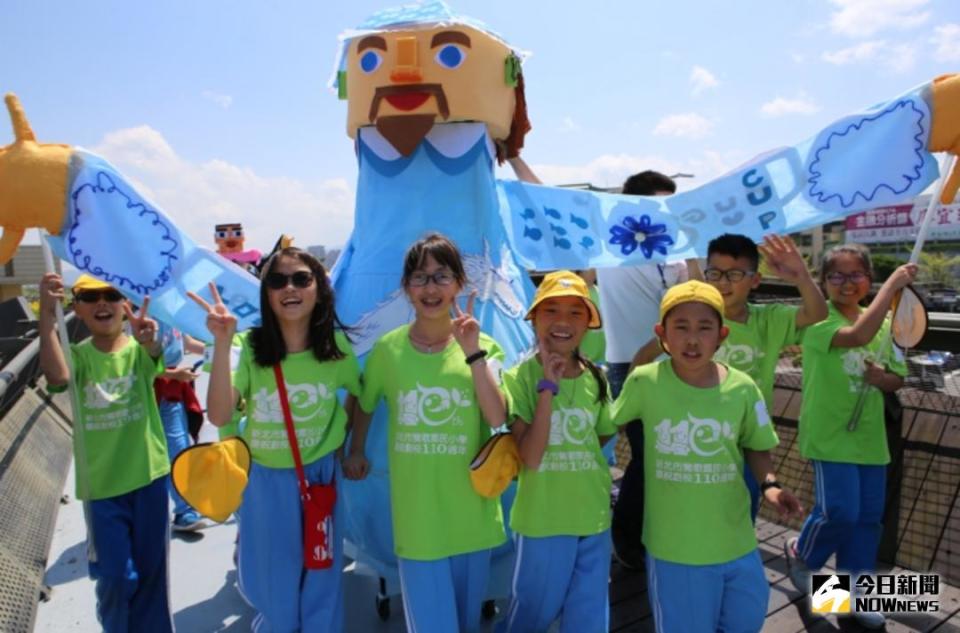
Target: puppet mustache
<point>435,90</point>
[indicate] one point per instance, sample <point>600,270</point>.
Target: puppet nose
<point>406,71</point>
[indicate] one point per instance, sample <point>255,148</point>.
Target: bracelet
<point>548,385</point>
<point>770,484</point>
<point>472,358</point>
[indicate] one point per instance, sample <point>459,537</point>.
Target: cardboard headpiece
<point>407,68</point>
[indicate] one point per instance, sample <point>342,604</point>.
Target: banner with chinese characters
<point>900,223</point>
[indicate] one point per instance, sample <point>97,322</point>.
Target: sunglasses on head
<point>279,281</point>
<point>93,296</point>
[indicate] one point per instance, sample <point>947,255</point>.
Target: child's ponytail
<point>597,375</point>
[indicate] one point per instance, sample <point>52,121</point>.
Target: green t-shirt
<point>697,508</point>
<point>435,430</point>
<point>594,343</point>
<point>832,379</point>
<point>754,347</point>
<point>312,388</point>
<point>123,435</point>
<point>573,467</point>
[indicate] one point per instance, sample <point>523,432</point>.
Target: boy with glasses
<point>758,332</point>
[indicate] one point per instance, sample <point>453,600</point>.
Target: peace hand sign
<point>466,328</point>
<point>221,323</point>
<point>143,327</point>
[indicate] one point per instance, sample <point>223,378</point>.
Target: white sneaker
<point>870,620</point>
<point>797,570</point>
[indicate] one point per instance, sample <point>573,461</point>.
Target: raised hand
<point>51,292</point>
<point>466,328</point>
<point>902,276</point>
<point>221,323</point>
<point>783,258</point>
<point>143,327</point>
<point>553,364</point>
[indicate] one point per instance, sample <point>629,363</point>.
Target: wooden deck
<point>788,610</point>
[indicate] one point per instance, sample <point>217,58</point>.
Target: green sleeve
<point>757,432</point>
<point>350,368</point>
<point>153,366</point>
<point>372,384</point>
<point>516,392</point>
<point>627,407</point>
<point>819,336</point>
<point>240,375</point>
<point>605,425</point>
<point>782,327</point>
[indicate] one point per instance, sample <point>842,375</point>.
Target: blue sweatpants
<point>128,539</point>
<point>729,597</point>
<point>273,580</point>
<point>846,517</point>
<point>174,418</point>
<point>444,595</point>
<point>562,577</point>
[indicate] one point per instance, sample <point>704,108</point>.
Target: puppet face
<point>229,238</point>
<point>404,81</point>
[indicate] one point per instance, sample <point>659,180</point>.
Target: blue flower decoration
<point>643,233</point>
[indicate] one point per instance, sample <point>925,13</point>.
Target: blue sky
<point>219,110</point>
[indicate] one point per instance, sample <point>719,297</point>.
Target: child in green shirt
<point>561,515</point>
<point>303,335</point>
<point>848,352</point>
<point>759,331</point>
<point>119,446</point>
<point>701,419</point>
<point>437,376</point>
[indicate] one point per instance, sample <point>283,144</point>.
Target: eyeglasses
<point>279,281</point>
<point>93,296</point>
<point>838,279</point>
<point>441,278</point>
<point>733,275</point>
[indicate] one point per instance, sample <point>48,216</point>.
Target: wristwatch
<point>548,385</point>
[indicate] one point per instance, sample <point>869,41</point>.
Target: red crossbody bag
<point>318,499</point>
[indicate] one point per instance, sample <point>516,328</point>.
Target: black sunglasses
<point>93,296</point>
<point>279,281</point>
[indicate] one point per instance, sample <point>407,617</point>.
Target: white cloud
<point>947,40</point>
<point>863,18</point>
<point>864,51</point>
<point>781,106</point>
<point>224,101</point>
<point>702,79</point>
<point>199,195</point>
<point>685,125</point>
<point>610,170</point>
<point>895,57</point>
<point>569,125</point>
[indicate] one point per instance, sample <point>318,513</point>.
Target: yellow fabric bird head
<point>945,130</point>
<point>33,183</point>
<point>495,465</point>
<point>212,477</point>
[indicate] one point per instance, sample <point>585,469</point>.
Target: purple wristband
<point>548,385</point>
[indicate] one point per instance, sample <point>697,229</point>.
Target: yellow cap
<point>495,465</point>
<point>563,283</point>
<point>89,282</point>
<point>691,291</point>
<point>212,477</point>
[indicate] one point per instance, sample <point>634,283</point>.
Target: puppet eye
<point>450,56</point>
<point>370,61</point>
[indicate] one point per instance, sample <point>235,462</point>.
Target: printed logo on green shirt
<point>571,425</point>
<point>700,436</point>
<point>110,392</point>
<point>308,402</point>
<point>433,406</point>
<point>854,364</point>
<point>743,357</point>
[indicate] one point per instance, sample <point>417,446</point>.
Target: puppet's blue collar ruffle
<point>451,147</point>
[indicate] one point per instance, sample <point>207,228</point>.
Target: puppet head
<point>406,69</point>
<point>229,238</point>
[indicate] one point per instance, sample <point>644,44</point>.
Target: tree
<point>937,268</point>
